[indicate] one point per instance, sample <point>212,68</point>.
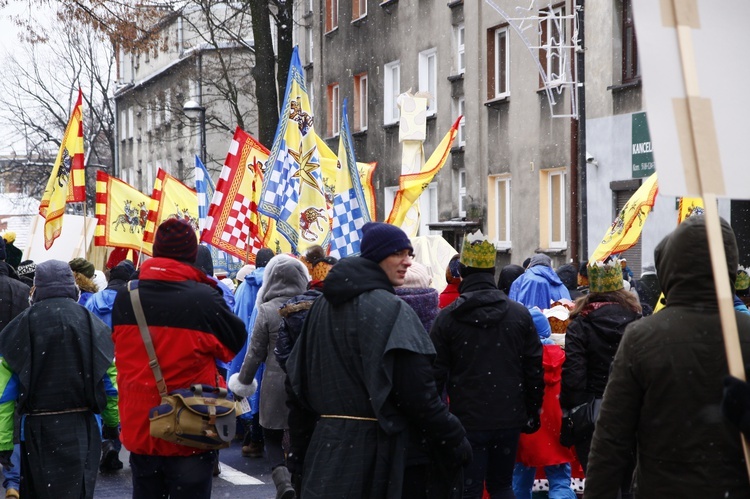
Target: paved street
<point>244,477</point>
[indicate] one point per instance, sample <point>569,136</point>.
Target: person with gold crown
<point>489,358</point>
<point>597,325</point>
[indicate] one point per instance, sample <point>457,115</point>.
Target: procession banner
<point>67,183</point>
<point>121,213</point>
<point>171,199</point>
<point>411,186</point>
<point>293,193</point>
<point>349,208</point>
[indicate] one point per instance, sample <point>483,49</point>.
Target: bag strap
<point>153,362</point>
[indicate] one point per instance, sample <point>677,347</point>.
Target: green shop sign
<point>641,152</point>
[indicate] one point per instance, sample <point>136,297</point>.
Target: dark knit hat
<point>176,239</point>
<point>122,271</point>
<point>82,266</point>
<point>381,240</point>
<point>3,254</point>
<point>204,261</point>
<point>263,257</point>
<point>26,268</point>
<point>54,279</point>
<point>508,275</point>
<point>568,274</point>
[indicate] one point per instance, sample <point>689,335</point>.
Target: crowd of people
<point>361,380</point>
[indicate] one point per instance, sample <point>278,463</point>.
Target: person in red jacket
<point>543,449</point>
<point>191,326</point>
<point>453,276</point>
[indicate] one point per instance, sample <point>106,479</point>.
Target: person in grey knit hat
<point>58,398</point>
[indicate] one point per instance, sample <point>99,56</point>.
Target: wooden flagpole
<point>702,138</point>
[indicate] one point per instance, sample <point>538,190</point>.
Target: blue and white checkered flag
<point>350,211</point>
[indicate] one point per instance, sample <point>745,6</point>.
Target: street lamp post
<point>195,111</point>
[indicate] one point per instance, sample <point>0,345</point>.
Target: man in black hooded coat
<point>361,384</point>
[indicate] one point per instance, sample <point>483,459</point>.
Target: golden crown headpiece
<point>743,279</point>
<point>477,251</point>
<point>605,277</point>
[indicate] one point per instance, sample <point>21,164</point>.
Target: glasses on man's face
<point>403,254</point>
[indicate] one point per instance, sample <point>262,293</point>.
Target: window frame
<point>547,51</point>
<point>460,111</point>
<point>334,109</point>
<point>361,100</point>
<point>357,11</point>
<point>391,113</point>
<point>461,192</point>
<point>332,15</point>
<point>460,48</point>
<point>497,72</point>
<point>631,66</point>
<point>547,198</point>
<point>428,78</point>
<point>505,241</point>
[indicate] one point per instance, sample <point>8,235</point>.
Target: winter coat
<point>360,382</point>
<point>285,277</point>
<point>293,314</point>
<point>61,449</point>
<point>244,304</point>
<point>591,342</point>
<point>489,356</point>
<point>539,286</point>
<point>664,394</point>
<point>102,302</point>
<point>190,325</point>
<point>542,448</point>
<point>449,294</point>
<point>14,295</point>
<point>648,289</point>
<point>424,301</point>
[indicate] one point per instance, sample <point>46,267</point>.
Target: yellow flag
<point>121,213</point>
<point>66,182</point>
<point>411,185</point>
<point>170,199</point>
<point>626,229</point>
<point>689,207</point>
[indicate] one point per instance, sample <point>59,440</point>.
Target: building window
<point>498,63</point>
<point>500,188</point>
<point>428,78</point>
<point>149,117</point>
<point>310,44</point>
<point>460,110</point>
<point>310,6</point>
<point>552,208</point>
<point>359,9</point>
<point>332,15</point>
<point>123,124</point>
<point>360,102</point>
<point>462,192</point>
<point>553,55</point>
<point>631,68</point>
<point>427,205</point>
<point>460,49</point>
<point>391,91</point>
<point>167,105</point>
<point>157,113</point>
<point>131,123</point>
<point>334,110</point>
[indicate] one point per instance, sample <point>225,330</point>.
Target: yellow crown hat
<point>478,252</point>
<point>605,277</point>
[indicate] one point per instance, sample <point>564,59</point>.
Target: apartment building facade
<point>189,62</point>
<point>510,68</point>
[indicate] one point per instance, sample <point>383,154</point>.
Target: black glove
<point>736,403</point>
<point>567,439</point>
<point>5,459</point>
<point>111,433</point>
<point>532,425</point>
